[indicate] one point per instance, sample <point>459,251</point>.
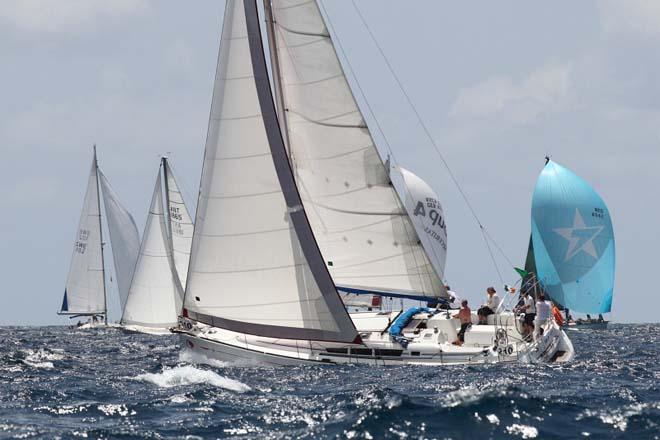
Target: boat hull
<point>226,346</point>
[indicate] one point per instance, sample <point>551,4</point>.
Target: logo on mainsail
<point>580,237</point>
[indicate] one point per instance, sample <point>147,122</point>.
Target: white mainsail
<point>362,229</point>
<point>85,286</point>
<point>153,298</point>
<point>181,225</point>
<point>124,238</point>
<point>425,210</point>
<point>255,267</point>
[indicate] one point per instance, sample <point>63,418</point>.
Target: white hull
<point>430,347</point>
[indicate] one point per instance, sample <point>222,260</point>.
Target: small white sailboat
<point>85,294</point>
<point>155,295</point>
<point>295,205</point>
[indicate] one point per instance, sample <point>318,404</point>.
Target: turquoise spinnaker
<point>572,241</point>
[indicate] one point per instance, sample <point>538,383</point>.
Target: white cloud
<point>64,16</point>
<point>541,91</point>
<point>640,17</point>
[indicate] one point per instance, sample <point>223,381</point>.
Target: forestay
<point>362,229</point>
<point>572,241</point>
<point>181,225</point>
<point>84,292</point>
<point>124,238</point>
<point>249,270</point>
<point>153,300</point>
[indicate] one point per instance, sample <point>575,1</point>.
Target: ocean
<point>107,383</point>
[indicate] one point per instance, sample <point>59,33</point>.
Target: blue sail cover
<point>573,241</point>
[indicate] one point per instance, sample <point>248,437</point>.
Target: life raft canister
<point>557,314</point>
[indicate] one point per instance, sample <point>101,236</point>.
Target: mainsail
<point>124,238</point>
<point>366,237</point>
<point>255,267</point>
<point>153,298</point>
<point>84,293</point>
<point>180,224</point>
<point>572,241</point>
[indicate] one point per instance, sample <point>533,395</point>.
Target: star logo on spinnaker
<point>580,237</point>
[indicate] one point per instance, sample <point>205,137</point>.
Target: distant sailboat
<point>155,295</point>
<point>296,204</point>
<point>85,294</point>
<point>571,250</point>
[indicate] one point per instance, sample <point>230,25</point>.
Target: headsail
<point>363,231</point>
<point>573,241</point>
<point>85,286</point>
<point>124,238</point>
<point>424,208</point>
<point>180,224</point>
<point>254,265</point>
<point>153,299</point>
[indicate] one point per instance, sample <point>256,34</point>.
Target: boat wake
<point>190,375</point>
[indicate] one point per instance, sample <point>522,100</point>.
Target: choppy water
<point>56,382</point>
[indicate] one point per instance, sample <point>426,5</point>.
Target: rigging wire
<point>433,143</point>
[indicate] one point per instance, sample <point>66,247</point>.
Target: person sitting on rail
<point>492,303</point>
<point>465,315</point>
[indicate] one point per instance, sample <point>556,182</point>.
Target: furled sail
<point>425,210</point>
<point>153,299</point>
<point>85,286</point>
<point>181,225</point>
<point>572,241</point>
<point>124,238</point>
<point>254,265</point>
<point>363,231</point>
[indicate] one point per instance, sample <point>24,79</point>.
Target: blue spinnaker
<point>573,241</point>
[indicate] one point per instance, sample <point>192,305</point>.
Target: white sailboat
<point>296,204</point>
<point>85,294</point>
<point>155,295</point>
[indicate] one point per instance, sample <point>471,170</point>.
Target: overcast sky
<point>499,84</point>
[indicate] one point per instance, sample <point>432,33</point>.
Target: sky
<point>499,86</point>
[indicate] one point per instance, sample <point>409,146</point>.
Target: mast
<point>277,77</point>
<point>168,226</point>
<point>98,200</point>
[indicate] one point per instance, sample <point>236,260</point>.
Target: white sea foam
<point>193,357</point>
<point>118,409</point>
<point>525,431</point>
<point>41,358</point>
<point>189,375</point>
<point>463,396</point>
<point>492,418</point>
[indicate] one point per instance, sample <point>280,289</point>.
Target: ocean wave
<point>191,357</point>
<point>189,375</point>
<point>42,358</point>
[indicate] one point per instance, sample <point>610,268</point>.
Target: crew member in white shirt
<point>491,306</point>
<point>543,311</point>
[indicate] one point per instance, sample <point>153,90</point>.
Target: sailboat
<point>295,204</point>
<point>571,252</point>
<point>85,293</point>
<point>155,296</point>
